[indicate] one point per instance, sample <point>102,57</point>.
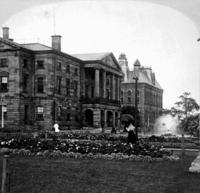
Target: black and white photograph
<point>100,96</point>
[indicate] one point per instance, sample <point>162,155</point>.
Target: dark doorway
<point>89,117</point>
<point>109,119</point>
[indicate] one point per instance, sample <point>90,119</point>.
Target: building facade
<point>101,86</point>
<point>149,92</point>
<point>40,85</point>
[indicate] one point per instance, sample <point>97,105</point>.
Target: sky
<point>159,36</point>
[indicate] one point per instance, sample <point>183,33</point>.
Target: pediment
<point>111,61</point>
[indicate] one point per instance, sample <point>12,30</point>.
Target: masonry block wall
<point>41,85</point>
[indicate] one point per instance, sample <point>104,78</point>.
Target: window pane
<point>68,68</point>
<point>40,84</point>
<point>40,64</point>
<point>4,110</point>
<point>4,83</point>
<point>59,64</point>
<point>67,87</point>
<point>4,79</point>
<point>25,63</point>
<point>40,111</point>
<point>3,62</point>
<point>59,84</point>
<point>75,71</point>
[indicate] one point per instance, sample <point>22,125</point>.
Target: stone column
<point>96,118</point>
<point>118,121</point>
<point>105,118</point>
<point>96,87</point>
<point>116,88</point>
<point>83,83</point>
<point>113,86</point>
<point>104,84</point>
<point>119,87</point>
<point>113,118</point>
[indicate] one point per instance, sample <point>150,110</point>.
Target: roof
<point>10,42</point>
<point>142,78</point>
<point>36,47</point>
<point>91,56</point>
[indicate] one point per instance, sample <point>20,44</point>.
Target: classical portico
<point>101,81</point>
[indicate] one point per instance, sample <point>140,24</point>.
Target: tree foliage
<point>185,109</point>
<point>185,106</point>
<point>192,125</point>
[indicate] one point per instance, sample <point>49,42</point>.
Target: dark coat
<point>132,138</point>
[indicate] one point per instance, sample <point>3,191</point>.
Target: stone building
<point>149,92</point>
<point>40,85</point>
<point>101,86</point>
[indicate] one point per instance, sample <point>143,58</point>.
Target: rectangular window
<point>25,82</point>
<point>87,91</point>
<point>68,68</point>
<point>75,88</point>
<point>40,85</point>
<point>68,87</point>
<point>59,80</point>
<point>68,116</point>
<point>76,118</point>
<point>3,62</point>
<point>4,110</point>
<point>40,113</point>
<point>76,72</point>
<point>4,83</point>
<point>40,64</point>
<point>129,99</point>
<point>59,66</point>
<point>107,81</point>
<point>25,63</point>
<point>107,93</point>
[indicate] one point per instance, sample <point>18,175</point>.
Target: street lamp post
<point>2,113</point>
<point>136,105</point>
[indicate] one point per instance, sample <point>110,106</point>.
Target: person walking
<point>132,138</point>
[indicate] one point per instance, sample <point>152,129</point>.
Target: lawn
<point>67,175</point>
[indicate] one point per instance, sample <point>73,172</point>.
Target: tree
<point>186,105</point>
<point>184,109</point>
<point>193,124</point>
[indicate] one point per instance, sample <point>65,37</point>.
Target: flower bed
<point>112,156</point>
<point>35,145</point>
<point>84,136</point>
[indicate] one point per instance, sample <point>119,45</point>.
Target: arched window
<point>129,92</point>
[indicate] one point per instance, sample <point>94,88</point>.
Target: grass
<point>40,175</point>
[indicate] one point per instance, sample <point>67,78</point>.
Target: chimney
<point>56,42</point>
<point>5,33</point>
